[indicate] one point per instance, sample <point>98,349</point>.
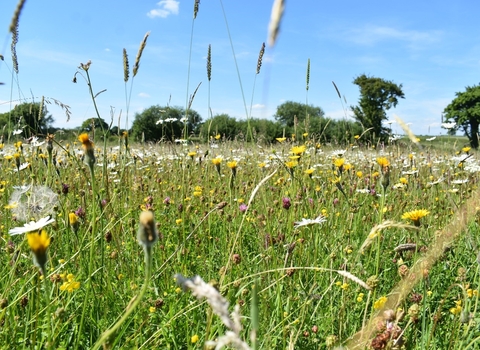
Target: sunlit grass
<point>210,225</point>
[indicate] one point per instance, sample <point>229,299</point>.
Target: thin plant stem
<point>109,333</point>
<point>91,258</point>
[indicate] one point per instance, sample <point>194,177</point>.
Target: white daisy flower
<point>22,167</point>
<point>459,181</point>
<point>309,222</point>
<point>436,182</point>
<point>17,132</point>
<point>31,226</point>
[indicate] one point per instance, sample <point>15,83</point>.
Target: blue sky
<point>433,50</point>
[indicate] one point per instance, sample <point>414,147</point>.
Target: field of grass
<point>292,245</point>
<point>366,273</point>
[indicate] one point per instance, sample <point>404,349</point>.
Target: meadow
<point>248,245</point>
<point>320,247</point>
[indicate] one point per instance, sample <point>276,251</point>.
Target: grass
<point>302,300</point>
<point>357,272</point>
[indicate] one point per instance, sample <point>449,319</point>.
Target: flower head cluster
<point>147,233</point>
<point>415,215</point>
<point>309,222</point>
<point>33,202</point>
<point>69,283</point>
<point>39,242</point>
<point>87,145</point>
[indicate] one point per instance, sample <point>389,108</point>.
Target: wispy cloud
<point>165,9</point>
<point>143,95</point>
<point>370,35</point>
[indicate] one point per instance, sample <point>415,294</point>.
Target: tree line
<point>291,120</point>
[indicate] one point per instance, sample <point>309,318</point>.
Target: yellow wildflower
<point>415,215</point>
<point>378,304</point>
<point>298,150</point>
<point>39,242</point>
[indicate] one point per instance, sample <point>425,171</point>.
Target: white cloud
<point>258,106</point>
<point>143,95</point>
<point>165,8</point>
<point>371,34</point>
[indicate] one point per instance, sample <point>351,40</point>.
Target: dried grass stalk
<point>275,19</point>
<point>376,230</point>
<point>405,247</point>
<point>354,279</point>
<point>407,130</point>
<point>139,54</point>
<point>40,108</point>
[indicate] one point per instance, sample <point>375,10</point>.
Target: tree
<point>221,124</point>
<point>95,123</point>
<point>27,115</point>
<point>464,110</point>
<point>288,111</point>
<point>156,123</point>
<point>376,97</point>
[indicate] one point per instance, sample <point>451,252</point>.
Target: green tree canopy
<point>288,111</point>
<point>156,123</point>
<point>27,116</point>
<point>376,97</point>
<point>94,123</point>
<point>464,110</point>
<point>221,124</point>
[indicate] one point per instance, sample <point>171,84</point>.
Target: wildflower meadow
<point>111,243</point>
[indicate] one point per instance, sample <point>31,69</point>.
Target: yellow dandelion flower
<point>309,172</point>
<point>359,174</point>
<point>298,150</point>
<point>415,215</point>
<point>216,161</point>
<point>403,180</point>
<point>178,221</point>
<point>383,162</point>
<point>194,338</point>
<point>85,140</point>
<point>339,162</point>
<point>39,242</point>
<point>192,154</point>
<point>217,137</point>
<point>281,139</point>
<point>262,165</point>
<point>291,164</point>
<point>232,165</point>
<point>87,146</point>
